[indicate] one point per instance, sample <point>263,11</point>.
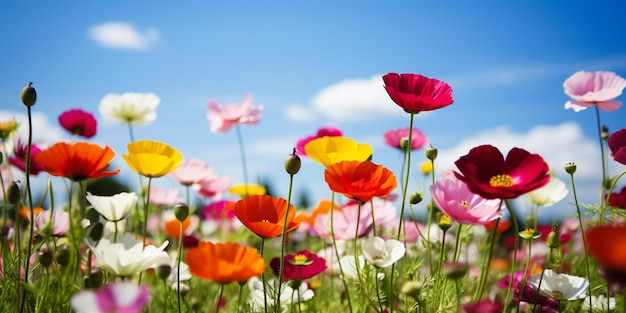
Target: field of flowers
<point>153,250</point>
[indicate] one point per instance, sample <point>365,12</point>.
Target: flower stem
<point>602,154</point>
<point>282,245</point>
<point>515,246</point>
<point>30,204</point>
<point>457,246</point>
<point>332,235</point>
<point>526,266</point>
<point>582,232</point>
<point>243,157</point>
<point>219,299</point>
<point>485,270</point>
<point>178,260</point>
<point>263,276</point>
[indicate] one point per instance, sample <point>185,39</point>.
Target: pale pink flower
<point>58,221</point>
<point>212,187</point>
<point>322,132</point>
<point>193,171</point>
<point>222,118</point>
<point>594,88</point>
<point>344,223</point>
<point>395,137</point>
<point>164,197</point>
<point>455,199</point>
<point>123,296</point>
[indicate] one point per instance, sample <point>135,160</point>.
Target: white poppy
<point>349,267</point>
<point>130,107</point>
<point>599,303</point>
<point>551,193</point>
<point>382,253</point>
<point>560,287</point>
<point>128,256</point>
<point>288,295</point>
<point>113,208</point>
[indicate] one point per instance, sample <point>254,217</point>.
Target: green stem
<point>602,155</point>
<point>609,193</point>
<point>30,204</point>
<point>332,235</point>
<point>239,297</point>
<point>219,299</point>
<point>439,268</point>
<point>373,219</point>
<point>263,276</point>
<point>457,246</point>
<point>514,262</point>
<point>282,245</point>
<point>178,260</point>
<point>485,270</point>
<point>243,157</point>
<point>380,302</point>
<point>582,232</point>
<point>146,205</point>
<point>526,266</point>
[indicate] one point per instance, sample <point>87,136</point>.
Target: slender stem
<point>515,247</point>
<point>610,193</point>
<point>263,276</point>
<point>30,204</point>
<point>380,302</point>
<point>439,268</point>
<point>457,246</point>
<point>239,297</point>
<point>373,219</point>
<point>282,244</point>
<point>485,270</point>
<point>219,299</point>
<point>146,205</point>
<point>243,157</point>
<point>602,154</point>
<point>582,232</point>
<point>130,131</point>
<point>332,235</point>
<point>178,260</point>
<point>526,266</point>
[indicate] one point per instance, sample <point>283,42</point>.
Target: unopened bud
<point>45,257</point>
<point>28,95</point>
<point>570,168</point>
<point>416,197</point>
<point>455,270</point>
<point>404,144</point>
<point>292,163</point>
<point>63,256</point>
<point>181,211</point>
<point>444,222</point>
<point>412,289</point>
<point>431,153</point>
<point>553,238</point>
<point>13,194</point>
<point>96,232</point>
<point>164,271</point>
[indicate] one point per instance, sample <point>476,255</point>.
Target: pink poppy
<point>597,88</point>
<point>164,197</point>
<point>322,132</point>
<point>20,151</point>
<point>455,199</point>
<point>212,187</point>
<point>617,144</point>
<point>193,171</point>
<point>219,210</point>
<point>488,174</point>
<point>415,93</point>
<point>395,137</point>
<point>344,223</point>
<point>59,225</point>
<point>79,122</point>
<point>123,296</point>
<point>222,118</point>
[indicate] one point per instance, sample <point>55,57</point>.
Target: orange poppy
<point>607,244</point>
<point>265,215</point>
<point>78,161</point>
<point>322,208</point>
<point>25,212</point>
<point>172,227</point>
<point>361,181</point>
<point>224,262</point>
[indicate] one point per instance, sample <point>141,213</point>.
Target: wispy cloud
<point>299,113</point>
<point>120,35</point>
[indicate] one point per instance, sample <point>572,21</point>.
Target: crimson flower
<point>302,265</point>
<point>20,152</point>
<point>618,199</point>
<point>617,144</point>
<point>395,137</point>
<point>488,174</point>
<point>78,122</point>
<point>415,93</point>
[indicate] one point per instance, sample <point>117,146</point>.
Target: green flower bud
<point>412,289</point>
<point>13,194</point>
<point>444,222</point>
<point>416,197</point>
<point>553,238</point>
<point>181,211</point>
<point>164,271</point>
<point>96,232</point>
<point>404,144</point>
<point>292,163</point>
<point>570,168</point>
<point>28,95</point>
<point>431,153</point>
<point>45,257</point>
<point>455,270</point>
<point>63,257</point>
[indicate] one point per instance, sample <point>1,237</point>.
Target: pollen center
<point>557,295</point>
<point>502,180</point>
<point>265,221</point>
<point>464,203</point>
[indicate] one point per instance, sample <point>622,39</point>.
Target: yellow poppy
<point>247,190</point>
<point>8,129</point>
<point>334,149</point>
<point>152,158</point>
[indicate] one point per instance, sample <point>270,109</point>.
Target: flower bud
<point>431,153</point>
<point>570,168</point>
<point>13,194</point>
<point>455,270</point>
<point>416,197</point>
<point>444,222</point>
<point>553,238</point>
<point>181,211</point>
<point>164,271</point>
<point>45,257</point>
<point>63,256</point>
<point>28,95</point>
<point>94,279</point>
<point>96,232</point>
<point>404,144</point>
<point>292,163</point>
<point>604,134</point>
<point>412,289</point>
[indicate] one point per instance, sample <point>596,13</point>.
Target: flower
<point>212,187</point>
<point>8,129</point>
<point>360,180</point>
<point>301,265</point>
<point>617,144</point>
<point>58,220</point>
<point>164,197</point>
<point>127,256</point>
<point>78,161</point>
<point>130,107</point>
<point>415,93</point>
<point>344,223</point>
<point>382,253</point>
<point>288,295</point>
<point>113,208</point>
<point>243,190</point>
<point>127,297</point>
<point>395,137</point>
<point>551,193</point>
<point>218,210</point>
<point>607,245</point>
<point>488,174</point>
<point>597,88</point>
<point>20,153</point>
<point>229,262</point>
<point>221,119</point>
<point>152,158</point>
<point>600,303</point>
<point>322,132</point>
<point>618,199</point>
<point>559,286</point>
<point>192,171</point>
<point>78,122</point>
<point>330,150</point>
<point>265,215</point>
<point>455,199</point>
<point>484,306</point>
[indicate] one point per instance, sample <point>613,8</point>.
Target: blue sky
<point>317,63</point>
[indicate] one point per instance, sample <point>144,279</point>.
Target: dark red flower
<point>617,144</point>
<point>78,122</point>
<point>607,245</point>
<point>20,151</point>
<point>415,93</point>
<point>488,174</point>
<point>484,306</point>
<point>301,265</point>
<point>618,199</point>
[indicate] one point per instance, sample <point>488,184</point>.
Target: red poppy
<point>224,262</point>
<point>607,245</point>
<point>503,225</point>
<point>302,265</point>
<point>265,215</point>
<point>618,199</point>
<point>79,122</point>
<point>360,181</point>
<point>488,174</point>
<point>416,93</point>
<point>78,161</point>
<point>617,144</point>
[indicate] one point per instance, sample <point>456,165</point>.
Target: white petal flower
<point>113,208</point>
<point>599,303</point>
<point>128,256</point>
<point>560,286</point>
<point>382,253</point>
<point>130,107</point>
<point>551,193</point>
<point>287,294</point>
<point>349,267</point>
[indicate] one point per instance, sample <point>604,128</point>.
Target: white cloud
<point>355,100</point>
<point>44,132</point>
<point>119,35</point>
<point>299,113</point>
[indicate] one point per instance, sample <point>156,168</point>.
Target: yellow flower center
<point>265,221</point>
<point>464,203</point>
<point>300,259</point>
<point>529,231</point>
<point>557,295</point>
<point>502,180</point>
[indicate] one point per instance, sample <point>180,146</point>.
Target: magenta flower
<point>301,265</point>
<point>78,122</point>
<point>597,88</point>
<point>20,151</point>
<point>484,306</point>
<point>219,210</point>
<point>327,131</point>
<point>415,93</point>
<point>125,297</point>
<point>617,144</point>
<point>488,174</point>
<point>618,199</point>
<point>395,137</point>
<point>456,200</point>
<point>221,119</point>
